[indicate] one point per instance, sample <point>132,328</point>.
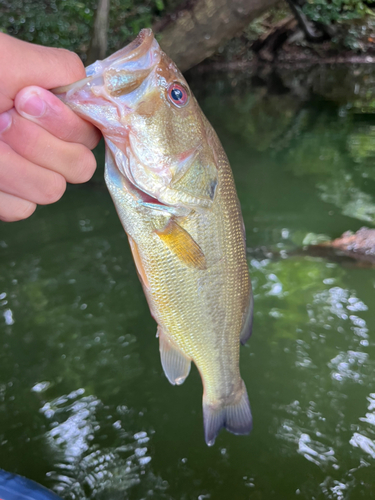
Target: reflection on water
<point>363,442</point>
<point>363,439</point>
<point>84,406</point>
<point>347,365</point>
<point>83,467</point>
<point>307,301</point>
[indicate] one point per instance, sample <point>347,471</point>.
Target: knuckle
<point>4,149</point>
<point>94,139</point>
<point>85,166</point>
<point>54,189</point>
<point>8,218</point>
<point>27,209</point>
<point>73,65</point>
<point>21,211</point>
<point>70,134</point>
<point>80,132</point>
<point>6,122</point>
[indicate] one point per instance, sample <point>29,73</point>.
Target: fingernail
<point>5,121</point>
<point>33,106</point>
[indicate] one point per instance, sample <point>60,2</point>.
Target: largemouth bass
<point>173,189</point>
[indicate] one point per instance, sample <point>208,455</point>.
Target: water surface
<point>85,408</point>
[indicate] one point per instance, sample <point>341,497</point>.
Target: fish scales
<point>174,192</point>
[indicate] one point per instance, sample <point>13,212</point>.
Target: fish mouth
<point>59,91</point>
<point>135,49</point>
<point>129,68</point>
<point>108,96</point>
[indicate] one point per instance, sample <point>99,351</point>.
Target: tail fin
<point>236,418</point>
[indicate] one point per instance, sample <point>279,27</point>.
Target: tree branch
<point>98,43</point>
<point>195,32</point>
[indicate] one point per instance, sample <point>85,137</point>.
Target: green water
<point>85,408</point>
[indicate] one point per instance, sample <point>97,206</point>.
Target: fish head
<point>151,122</point>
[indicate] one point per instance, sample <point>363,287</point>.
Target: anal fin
<point>182,244</point>
<point>175,364</point>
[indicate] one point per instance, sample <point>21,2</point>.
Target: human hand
<point>43,144</point>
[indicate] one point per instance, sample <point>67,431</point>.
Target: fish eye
<point>178,95</point>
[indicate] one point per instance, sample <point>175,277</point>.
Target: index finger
<point>42,107</point>
<point>30,64</point>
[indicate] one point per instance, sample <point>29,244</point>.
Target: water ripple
<point>314,450</point>
<point>79,425</point>
<point>347,366</point>
<point>365,439</point>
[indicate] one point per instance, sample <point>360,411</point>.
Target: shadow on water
<point>84,406</point>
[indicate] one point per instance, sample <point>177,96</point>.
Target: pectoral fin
<point>182,244</point>
<point>175,364</point>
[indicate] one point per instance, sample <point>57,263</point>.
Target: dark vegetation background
<point>229,31</point>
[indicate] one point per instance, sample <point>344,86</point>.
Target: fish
<point>174,192</point>
<point>14,487</point>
